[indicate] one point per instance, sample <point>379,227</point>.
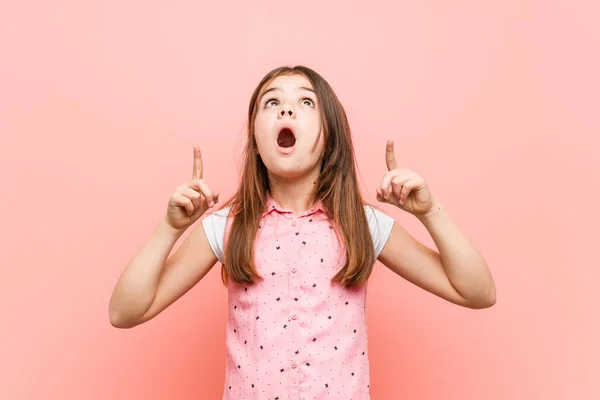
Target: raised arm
<point>152,280</point>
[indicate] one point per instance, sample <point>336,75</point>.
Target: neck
<point>296,195</point>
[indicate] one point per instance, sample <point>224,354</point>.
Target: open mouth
<point>286,138</point>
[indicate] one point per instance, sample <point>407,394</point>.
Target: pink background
<point>495,104</point>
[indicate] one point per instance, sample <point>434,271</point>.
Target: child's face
<point>287,126</point>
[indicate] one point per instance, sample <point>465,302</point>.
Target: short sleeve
<point>214,227</point>
<point>380,225</point>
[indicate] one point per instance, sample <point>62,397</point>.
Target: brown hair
<point>337,188</point>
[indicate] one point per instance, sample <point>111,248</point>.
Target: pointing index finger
<point>390,158</point>
<point>197,171</point>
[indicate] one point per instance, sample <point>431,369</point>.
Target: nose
<point>286,111</point>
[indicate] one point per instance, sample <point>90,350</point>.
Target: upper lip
<point>286,126</point>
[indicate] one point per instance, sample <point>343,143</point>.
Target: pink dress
<point>295,335</point>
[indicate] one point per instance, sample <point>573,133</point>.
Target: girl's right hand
<point>191,199</point>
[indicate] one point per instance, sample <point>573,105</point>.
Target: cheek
<point>260,133</point>
<point>320,136</point>
<point>311,130</point>
<point>261,143</point>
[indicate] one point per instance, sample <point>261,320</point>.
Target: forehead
<point>289,83</point>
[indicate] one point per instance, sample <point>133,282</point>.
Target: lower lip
<point>285,150</point>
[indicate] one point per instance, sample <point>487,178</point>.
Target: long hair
<point>337,188</point>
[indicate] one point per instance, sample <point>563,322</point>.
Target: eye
<point>310,101</point>
<point>268,103</point>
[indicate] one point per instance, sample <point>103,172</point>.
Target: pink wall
<point>496,104</point>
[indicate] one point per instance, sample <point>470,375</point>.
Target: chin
<point>287,171</point>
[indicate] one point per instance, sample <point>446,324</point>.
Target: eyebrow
<point>278,88</point>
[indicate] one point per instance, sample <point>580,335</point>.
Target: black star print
<point>297,233</point>
<point>314,339</point>
<point>310,220</point>
<point>314,285</point>
<point>257,317</point>
<point>253,384</point>
<point>235,307</point>
<point>281,370</point>
<point>326,385</point>
<point>355,331</point>
<point>245,289</point>
<point>235,331</point>
<point>353,374</point>
<point>239,366</point>
<point>335,347</point>
<point>261,347</point>
<point>278,299</point>
<point>303,242</point>
<point>321,260</point>
<point>308,364</point>
<point>295,298</point>
<point>285,326</point>
<point>245,341</point>
<point>272,273</point>
<point>330,227</point>
<point>229,387</point>
<point>297,352</point>
<point>346,303</point>
<point>329,317</point>
<point>278,247</point>
<point>363,353</point>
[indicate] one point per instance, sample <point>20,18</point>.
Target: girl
<point>297,244</point>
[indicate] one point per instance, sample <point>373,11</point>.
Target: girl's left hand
<point>403,188</point>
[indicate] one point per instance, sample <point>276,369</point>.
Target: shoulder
<point>215,225</point>
<point>216,222</point>
<point>221,213</point>
<point>380,226</point>
<point>376,215</point>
